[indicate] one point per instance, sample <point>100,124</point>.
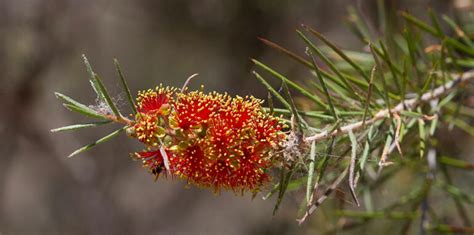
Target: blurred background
<point>103,191</point>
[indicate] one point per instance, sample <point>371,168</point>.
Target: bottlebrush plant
<point>367,116</point>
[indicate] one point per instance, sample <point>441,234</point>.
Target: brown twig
<point>122,120</point>
<point>404,105</point>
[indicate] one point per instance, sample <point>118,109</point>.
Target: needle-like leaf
<point>352,166</point>
<point>384,83</point>
<point>311,167</point>
<point>272,90</point>
<point>285,178</point>
<point>338,51</point>
<point>99,141</point>
<point>420,24</point>
<point>345,83</point>
<point>294,111</point>
<point>323,84</point>
<point>92,80</point>
<point>125,87</point>
<point>422,134</point>
<point>75,106</point>
<point>297,87</point>
<point>459,31</point>
<point>80,126</point>
<point>107,97</point>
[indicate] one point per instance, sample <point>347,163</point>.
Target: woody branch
<point>407,104</point>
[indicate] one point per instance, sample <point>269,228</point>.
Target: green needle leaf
<point>106,95</point>
<point>366,151</point>
<point>86,112</point>
<point>314,114</point>
<point>369,95</point>
<point>283,186</point>
<point>383,53</point>
<point>73,105</point>
<point>92,80</point>
<point>125,87</point>
<point>459,31</point>
<point>345,84</point>
<point>352,167</point>
<point>312,164</point>
<point>323,84</point>
<point>422,134</point>
<point>391,66</point>
<point>453,42</point>
<point>458,194</point>
<point>294,111</point>
<point>384,83</point>
<point>99,88</point>
<point>287,52</point>
<point>79,126</point>
<point>272,90</point>
<point>422,25</point>
<point>456,163</point>
<point>273,191</point>
<point>307,64</point>
<point>290,83</point>
<point>99,141</point>
<point>338,51</point>
<point>461,124</point>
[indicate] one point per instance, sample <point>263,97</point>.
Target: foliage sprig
<point>366,116</point>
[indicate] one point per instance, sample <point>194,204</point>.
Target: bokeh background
<point>102,191</point>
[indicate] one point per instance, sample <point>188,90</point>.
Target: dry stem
<point>408,104</point>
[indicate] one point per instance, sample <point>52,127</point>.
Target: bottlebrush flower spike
<point>153,105</point>
<point>211,140</point>
<point>154,101</point>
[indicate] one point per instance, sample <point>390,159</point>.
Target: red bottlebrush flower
<point>152,106</point>
<point>211,140</point>
<point>152,160</point>
<point>154,101</point>
<point>148,129</point>
<point>195,108</point>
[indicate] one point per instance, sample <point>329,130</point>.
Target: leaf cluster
<point>372,113</point>
<point>110,116</point>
